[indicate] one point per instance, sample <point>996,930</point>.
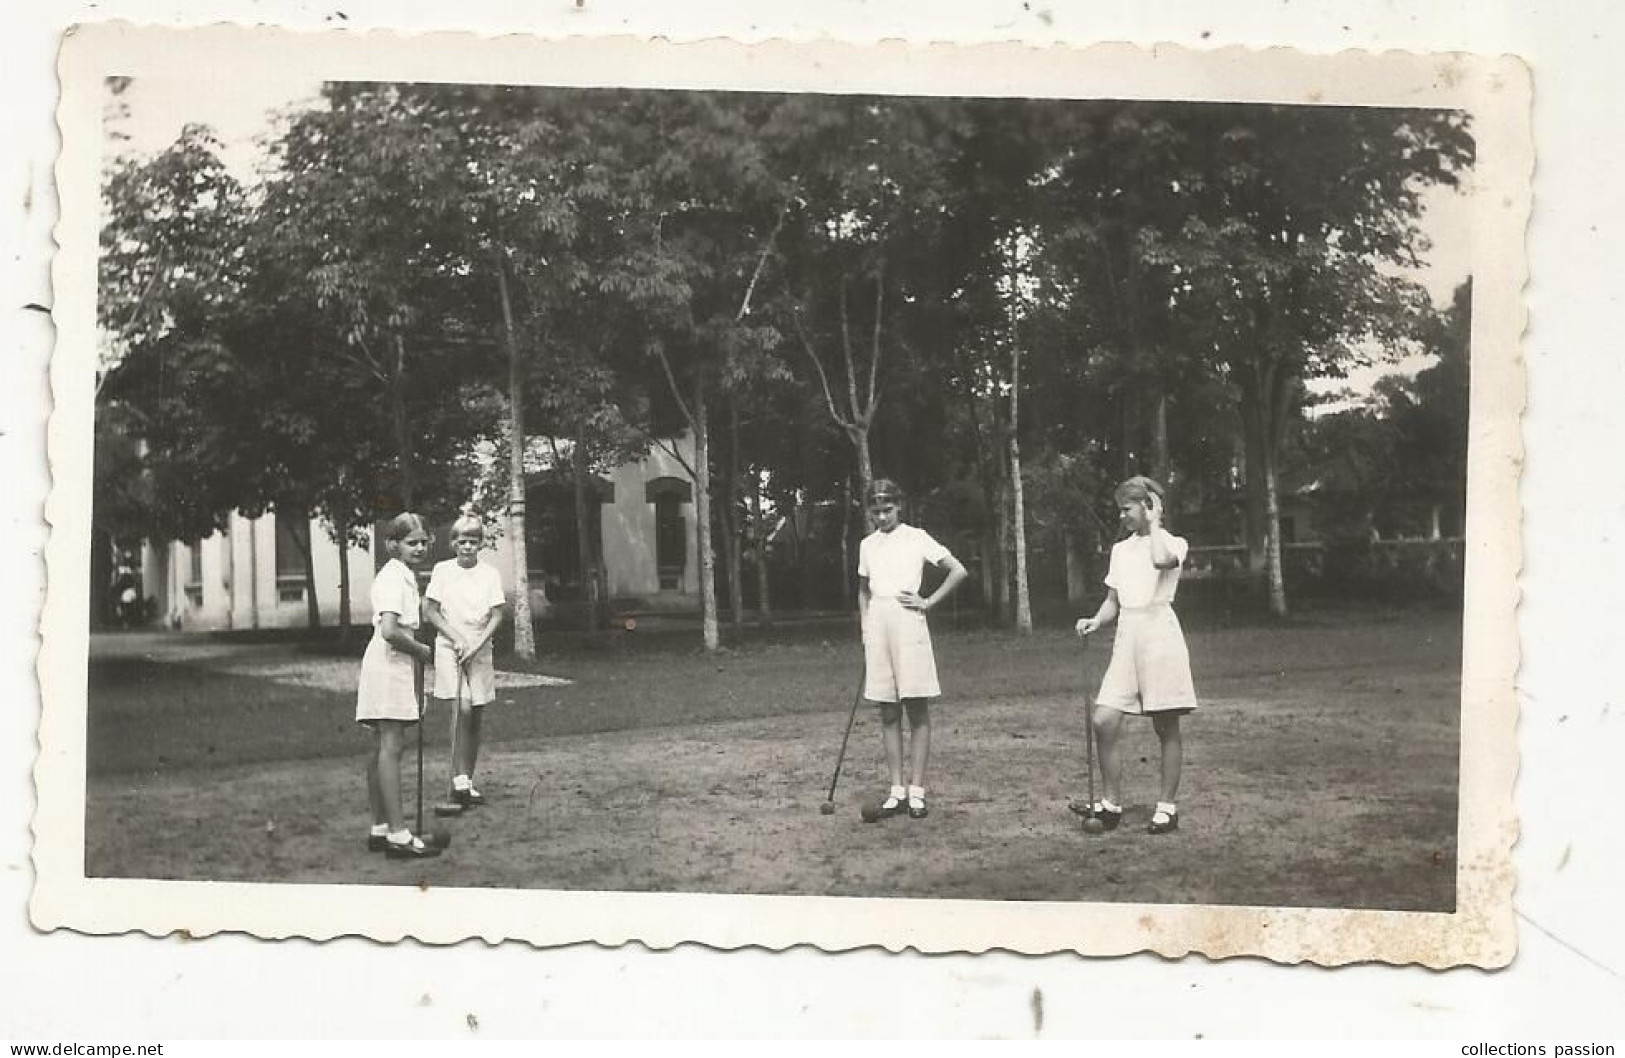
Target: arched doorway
<point>668,495</point>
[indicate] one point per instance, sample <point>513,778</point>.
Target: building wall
<point>627,541</point>
<point>232,583</point>
<point>629,534</point>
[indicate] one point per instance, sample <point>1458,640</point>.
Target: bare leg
<point>1173,754</point>
<point>1108,724</point>
<point>919,737</point>
<point>891,734</point>
<point>375,790</point>
<point>391,735</point>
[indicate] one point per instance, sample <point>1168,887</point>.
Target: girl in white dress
<point>387,698</point>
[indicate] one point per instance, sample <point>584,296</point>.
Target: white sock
<point>898,793</point>
<point>380,830</point>
<point>461,782</point>
<point>917,792</point>
<point>1167,807</point>
<point>1107,804</point>
<point>401,836</point>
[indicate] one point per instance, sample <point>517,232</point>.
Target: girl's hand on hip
<point>912,601</point>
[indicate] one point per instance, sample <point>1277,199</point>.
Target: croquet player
<point>1150,670</point>
<point>387,696</point>
<point>900,670</point>
<point>466,606</point>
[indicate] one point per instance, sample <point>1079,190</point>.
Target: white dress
<point>388,688</point>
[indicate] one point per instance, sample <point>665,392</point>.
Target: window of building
<point>194,572</point>
<point>290,561</point>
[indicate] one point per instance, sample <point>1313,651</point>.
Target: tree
<point>1300,219</point>
<point>700,219</point>
<point>170,264</point>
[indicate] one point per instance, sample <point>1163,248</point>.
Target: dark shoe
<point>1169,823</point>
<point>376,842</point>
<point>916,807</point>
<point>890,806</point>
<point>409,850</point>
<point>1109,817</point>
<point>468,797</point>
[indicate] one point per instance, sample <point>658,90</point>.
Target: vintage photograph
<point>935,502</point>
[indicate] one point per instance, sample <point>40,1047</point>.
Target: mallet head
<point>827,808</point>
<point>440,838</point>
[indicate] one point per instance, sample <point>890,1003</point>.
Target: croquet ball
<point>1093,826</point>
<point>631,624</point>
<point>827,808</point>
<point>870,811</point>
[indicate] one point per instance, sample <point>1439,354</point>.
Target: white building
<point>252,574</point>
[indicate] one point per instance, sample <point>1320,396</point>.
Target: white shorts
<point>1150,670</point>
<point>897,656</point>
<point>388,688</point>
<point>478,679</point>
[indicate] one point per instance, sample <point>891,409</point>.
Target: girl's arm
<point>956,576</point>
<point>863,597</point>
<point>493,621</point>
<point>400,637</point>
<point>1105,615</point>
<point>436,616</point>
<point>1162,556</point>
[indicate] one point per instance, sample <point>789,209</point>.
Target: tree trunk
<point>702,520</point>
<point>759,534</point>
<point>406,480</point>
<point>994,537</point>
<point>1161,463</point>
<point>848,583</point>
<point>1018,519</point>
<point>730,520</point>
<point>300,532</point>
<point>524,632</point>
<point>1255,518</point>
<point>1077,570</point>
<point>989,566</point>
<point>1018,505</point>
<point>341,529</point>
<point>1272,538</point>
<point>584,549</point>
<point>1001,554</point>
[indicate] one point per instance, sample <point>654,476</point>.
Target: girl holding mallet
<point>1150,670</point>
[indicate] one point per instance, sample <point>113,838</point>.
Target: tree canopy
<point>1005,304</point>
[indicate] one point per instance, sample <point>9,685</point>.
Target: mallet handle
<point>851,716</point>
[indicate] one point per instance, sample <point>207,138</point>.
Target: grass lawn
<point>1321,771</point>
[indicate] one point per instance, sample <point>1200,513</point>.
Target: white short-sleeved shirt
<point>466,594</point>
<point>1137,581</point>
<point>395,590</point>
<point>894,561</point>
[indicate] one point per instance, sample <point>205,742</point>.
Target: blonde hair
<point>468,523</point>
<point>402,526</point>
<point>1139,489</point>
